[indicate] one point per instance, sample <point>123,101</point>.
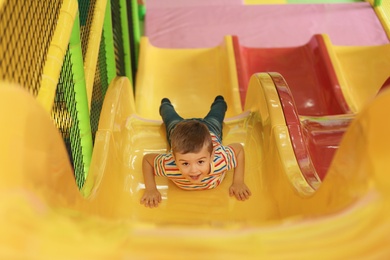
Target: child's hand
<point>151,198</point>
<point>240,191</point>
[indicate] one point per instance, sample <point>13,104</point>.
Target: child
<point>198,160</point>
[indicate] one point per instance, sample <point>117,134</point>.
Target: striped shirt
<point>224,160</point>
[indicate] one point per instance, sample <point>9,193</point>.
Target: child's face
<point>194,166</point>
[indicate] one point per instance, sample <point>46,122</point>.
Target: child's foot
<point>165,100</point>
<point>219,97</point>
<point>220,101</point>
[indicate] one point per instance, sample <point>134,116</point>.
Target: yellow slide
<point>186,76</point>
<point>43,212</point>
<point>361,71</point>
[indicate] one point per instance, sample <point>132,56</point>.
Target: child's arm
<point>151,197</point>
<point>238,187</point>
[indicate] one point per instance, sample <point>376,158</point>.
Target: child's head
<point>190,136</point>
<point>192,148</point>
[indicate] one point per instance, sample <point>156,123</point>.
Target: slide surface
<point>324,79</point>
<point>348,216</point>
<point>186,76</point>
<point>326,86</point>
<point>307,69</point>
<point>361,70</point>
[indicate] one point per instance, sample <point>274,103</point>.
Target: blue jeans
<point>213,120</point>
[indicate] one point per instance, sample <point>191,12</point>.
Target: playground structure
<point>339,209</point>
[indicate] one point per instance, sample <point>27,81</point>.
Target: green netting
<point>70,110</point>
<point>78,125</point>
<point>134,33</point>
<point>83,11</point>
<point>105,71</point>
<point>121,38</point>
<point>108,41</point>
<point>86,8</point>
<point>65,116</point>
<point>24,43</point>
<point>26,30</point>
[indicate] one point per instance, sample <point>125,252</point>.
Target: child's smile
<point>194,166</point>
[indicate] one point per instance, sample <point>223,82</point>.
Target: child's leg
<point>169,116</point>
<point>216,115</point>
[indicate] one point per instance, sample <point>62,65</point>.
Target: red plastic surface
<point>314,139</point>
<point>307,69</point>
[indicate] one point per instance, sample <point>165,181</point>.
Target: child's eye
<point>184,164</point>
<point>201,162</point>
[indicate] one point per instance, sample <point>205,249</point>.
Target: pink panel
<point>263,25</point>
<point>189,3</point>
